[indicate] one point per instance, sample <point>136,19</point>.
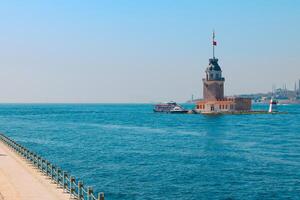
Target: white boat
<point>178,109</point>
<point>169,107</point>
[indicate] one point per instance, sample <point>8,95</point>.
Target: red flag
<point>213,38</point>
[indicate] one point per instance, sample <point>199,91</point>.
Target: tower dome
<point>213,65</point>
<point>213,71</point>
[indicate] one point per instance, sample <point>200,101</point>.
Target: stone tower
<point>213,83</point>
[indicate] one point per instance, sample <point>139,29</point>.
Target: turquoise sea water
<point>129,152</point>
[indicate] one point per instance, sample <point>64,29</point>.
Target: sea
<point>129,152</point>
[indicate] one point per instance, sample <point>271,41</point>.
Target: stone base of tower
<point>224,105</point>
<point>213,89</point>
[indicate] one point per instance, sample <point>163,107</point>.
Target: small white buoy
<point>273,106</point>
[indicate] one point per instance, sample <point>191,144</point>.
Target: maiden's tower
<point>213,91</point>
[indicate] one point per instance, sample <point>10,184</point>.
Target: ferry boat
<point>169,107</point>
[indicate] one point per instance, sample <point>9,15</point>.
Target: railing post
<point>100,196</point>
<point>17,148</point>
<point>21,151</point>
<point>36,160</point>
<point>41,164</point>
<point>28,154</point>
<point>89,192</point>
<point>24,152</point>
<point>80,185</point>
<point>72,181</point>
<point>31,157</point>
<point>64,180</point>
<point>52,171</point>
<point>43,161</point>
<point>58,177</point>
<point>47,164</point>
<point>12,145</point>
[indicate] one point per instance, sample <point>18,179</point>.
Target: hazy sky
<point>143,50</point>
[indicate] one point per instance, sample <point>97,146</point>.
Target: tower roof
<point>213,65</point>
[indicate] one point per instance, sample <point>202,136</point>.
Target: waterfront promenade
<point>20,180</point>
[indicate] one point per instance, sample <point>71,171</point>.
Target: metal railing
<point>63,179</point>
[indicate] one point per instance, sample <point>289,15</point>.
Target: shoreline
<point>20,180</point>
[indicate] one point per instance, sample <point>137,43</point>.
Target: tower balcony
<point>215,79</point>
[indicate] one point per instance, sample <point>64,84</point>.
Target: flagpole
<point>213,51</point>
<point>213,44</point>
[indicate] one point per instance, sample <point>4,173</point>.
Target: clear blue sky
<point>143,51</point>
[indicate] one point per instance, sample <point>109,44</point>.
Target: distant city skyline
<point>143,51</point>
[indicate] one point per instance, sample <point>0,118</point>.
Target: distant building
<point>213,92</point>
<point>299,87</point>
